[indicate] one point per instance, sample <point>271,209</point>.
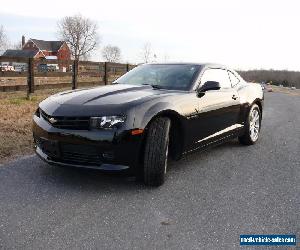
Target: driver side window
<point>217,75</point>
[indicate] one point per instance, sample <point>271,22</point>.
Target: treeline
<point>276,77</point>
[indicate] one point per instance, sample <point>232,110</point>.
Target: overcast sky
<point>240,33</point>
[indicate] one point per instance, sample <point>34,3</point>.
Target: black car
<point>153,112</point>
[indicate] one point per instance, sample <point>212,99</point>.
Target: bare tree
<point>111,53</point>
<point>3,39</point>
<point>146,53</point>
<point>17,45</point>
<point>80,33</point>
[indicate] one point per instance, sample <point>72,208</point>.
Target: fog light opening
<point>108,155</point>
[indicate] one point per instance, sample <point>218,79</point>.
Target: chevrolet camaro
<point>153,113</point>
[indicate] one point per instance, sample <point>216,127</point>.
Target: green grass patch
<point>22,100</point>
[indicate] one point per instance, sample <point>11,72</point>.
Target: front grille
<point>80,154</point>
<point>81,158</point>
<point>67,122</point>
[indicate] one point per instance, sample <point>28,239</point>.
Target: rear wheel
<point>156,152</point>
<point>252,126</point>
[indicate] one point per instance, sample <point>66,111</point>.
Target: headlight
<point>106,122</point>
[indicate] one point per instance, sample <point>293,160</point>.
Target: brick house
<point>35,48</point>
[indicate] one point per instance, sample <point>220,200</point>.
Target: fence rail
<point>13,59</point>
<point>43,74</point>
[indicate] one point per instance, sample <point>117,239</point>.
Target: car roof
<point>203,65</point>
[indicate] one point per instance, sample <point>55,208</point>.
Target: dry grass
<point>16,121</point>
<point>295,92</point>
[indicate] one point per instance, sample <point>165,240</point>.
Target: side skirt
<point>219,138</point>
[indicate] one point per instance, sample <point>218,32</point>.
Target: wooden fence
<point>28,74</point>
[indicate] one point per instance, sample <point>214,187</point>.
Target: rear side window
<point>234,80</point>
<point>217,75</point>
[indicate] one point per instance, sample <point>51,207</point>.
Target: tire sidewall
<point>155,156</point>
<point>254,106</point>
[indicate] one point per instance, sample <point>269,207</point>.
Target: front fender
<point>144,115</point>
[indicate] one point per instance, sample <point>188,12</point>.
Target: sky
<point>242,34</point>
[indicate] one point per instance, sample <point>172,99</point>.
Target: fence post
<point>75,74</point>
<point>30,78</point>
<point>105,73</point>
<point>127,67</point>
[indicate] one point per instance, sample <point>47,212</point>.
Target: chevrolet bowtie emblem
<point>52,120</point>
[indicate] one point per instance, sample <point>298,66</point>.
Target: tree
<point>17,45</point>
<point>3,39</point>
<point>111,53</point>
<point>146,53</point>
<point>80,33</point>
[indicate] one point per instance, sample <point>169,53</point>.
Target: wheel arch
<point>246,107</point>
<point>259,103</point>
<point>177,132</point>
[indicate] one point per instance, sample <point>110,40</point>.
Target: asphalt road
<point>208,200</point>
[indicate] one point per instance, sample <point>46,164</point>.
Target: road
<point>208,200</point>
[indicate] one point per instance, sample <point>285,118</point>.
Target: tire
<point>252,129</point>
<point>156,152</point>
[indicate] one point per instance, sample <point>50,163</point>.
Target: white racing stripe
<point>233,127</point>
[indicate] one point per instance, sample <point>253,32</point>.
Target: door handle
<point>234,97</point>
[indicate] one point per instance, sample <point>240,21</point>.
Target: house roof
<point>48,45</point>
<point>20,53</point>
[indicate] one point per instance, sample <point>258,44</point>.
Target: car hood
<point>111,99</point>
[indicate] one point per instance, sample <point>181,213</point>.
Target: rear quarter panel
<point>249,93</point>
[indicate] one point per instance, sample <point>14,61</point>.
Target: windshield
<point>165,76</point>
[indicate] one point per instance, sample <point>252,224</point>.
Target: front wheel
<point>156,152</point>
<point>252,126</point>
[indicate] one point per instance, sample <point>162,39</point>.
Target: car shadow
<point>203,154</point>
<point>82,178</point>
<point>99,180</point>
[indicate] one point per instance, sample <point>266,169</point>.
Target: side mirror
<point>209,85</point>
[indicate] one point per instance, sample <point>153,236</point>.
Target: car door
<point>218,109</point>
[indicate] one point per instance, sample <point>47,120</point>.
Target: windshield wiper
<point>155,86</point>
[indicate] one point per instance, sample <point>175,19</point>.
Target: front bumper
<point>104,166</point>
<point>98,149</point>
